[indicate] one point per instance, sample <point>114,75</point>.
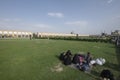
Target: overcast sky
<point>60,16</point>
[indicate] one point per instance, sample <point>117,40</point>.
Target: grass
<point>33,59</point>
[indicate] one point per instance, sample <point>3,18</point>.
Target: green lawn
<point>35,59</point>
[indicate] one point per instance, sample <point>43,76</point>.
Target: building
<point>58,35</point>
<point>22,34</point>
<point>115,33</point>
<point>116,37</point>
<point>14,34</point>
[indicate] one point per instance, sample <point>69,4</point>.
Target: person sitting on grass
<point>88,57</point>
<point>84,61</point>
<point>76,59</point>
<point>106,75</point>
<point>68,53</point>
<point>62,56</point>
<point>66,57</point>
<point>67,60</point>
<point>81,60</point>
<point>83,66</point>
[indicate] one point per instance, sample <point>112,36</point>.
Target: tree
<point>72,32</point>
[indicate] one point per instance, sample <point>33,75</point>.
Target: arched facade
<point>15,34</point>
<point>22,34</point>
<point>58,34</point>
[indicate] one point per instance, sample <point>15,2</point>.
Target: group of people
<point>83,62</point>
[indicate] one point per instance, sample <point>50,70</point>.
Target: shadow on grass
<point>57,56</point>
<point>112,66</point>
<point>118,58</point>
<point>118,78</point>
<point>118,54</point>
<point>94,74</point>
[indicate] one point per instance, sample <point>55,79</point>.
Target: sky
<point>60,16</point>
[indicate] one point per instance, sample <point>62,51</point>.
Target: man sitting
<point>106,75</point>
